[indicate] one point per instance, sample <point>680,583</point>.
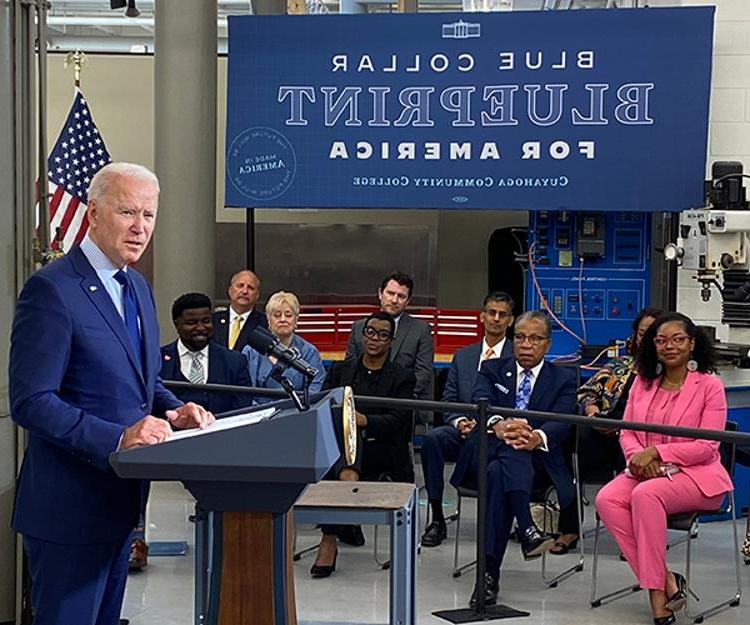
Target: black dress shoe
<point>536,542</point>
<point>491,590</point>
<point>664,620</point>
<point>677,601</point>
<point>318,571</point>
<point>351,535</point>
<point>434,534</point>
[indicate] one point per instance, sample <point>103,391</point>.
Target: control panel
<point>593,271</point>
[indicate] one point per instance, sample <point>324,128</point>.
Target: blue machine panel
<point>593,271</point>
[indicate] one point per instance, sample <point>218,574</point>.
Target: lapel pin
<point>92,288</point>
<point>508,374</point>
<point>167,357</point>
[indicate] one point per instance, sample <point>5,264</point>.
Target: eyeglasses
<point>497,314</point>
<point>678,340</point>
<point>534,339</point>
<point>376,335</point>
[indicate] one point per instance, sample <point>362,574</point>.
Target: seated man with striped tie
<point>444,443</point>
<point>195,358</point>
<point>521,453</point>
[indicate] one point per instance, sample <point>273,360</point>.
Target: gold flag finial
<point>77,60</point>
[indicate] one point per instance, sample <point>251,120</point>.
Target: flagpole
<point>44,225</point>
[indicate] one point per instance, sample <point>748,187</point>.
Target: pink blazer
<point>702,404</point>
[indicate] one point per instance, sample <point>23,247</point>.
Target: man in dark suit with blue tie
<point>521,452</point>
<point>195,358</point>
<point>444,443</point>
<point>84,367</point>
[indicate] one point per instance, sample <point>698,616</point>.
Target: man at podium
<point>84,366</point>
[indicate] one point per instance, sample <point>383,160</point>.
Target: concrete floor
<point>358,591</point>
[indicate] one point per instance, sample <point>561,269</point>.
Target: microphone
<point>261,340</point>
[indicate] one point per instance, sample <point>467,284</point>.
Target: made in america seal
<point>261,163</point>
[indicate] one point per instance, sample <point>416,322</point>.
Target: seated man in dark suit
<point>520,452</point>
<point>234,325</point>
<point>445,442</point>
<point>195,358</point>
<point>385,432</point>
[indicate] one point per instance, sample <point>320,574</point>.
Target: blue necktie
<point>130,308</point>
<point>524,391</point>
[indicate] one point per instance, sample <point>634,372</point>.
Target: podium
<point>246,472</point>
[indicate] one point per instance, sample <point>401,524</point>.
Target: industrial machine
<point>591,271</point>
<point>713,246</point>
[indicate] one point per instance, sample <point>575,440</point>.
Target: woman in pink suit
<point>666,474</point>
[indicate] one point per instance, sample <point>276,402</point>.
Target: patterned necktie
<point>490,353</point>
<point>524,391</point>
<point>130,312</point>
<point>234,331</point>
<point>197,372</point>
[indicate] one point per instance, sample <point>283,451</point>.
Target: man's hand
<point>190,416</point>
<point>466,426</point>
<point>639,462</point>
<point>517,433</point>
<point>147,431</point>
<point>361,419</point>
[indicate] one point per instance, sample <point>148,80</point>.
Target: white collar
<point>182,350</point>
<point>534,370</point>
<point>497,348</point>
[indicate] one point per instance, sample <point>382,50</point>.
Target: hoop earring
<point>692,365</point>
<point>659,368</point>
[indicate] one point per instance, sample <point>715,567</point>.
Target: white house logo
<point>461,30</point>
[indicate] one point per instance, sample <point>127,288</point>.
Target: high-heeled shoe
<point>317,571</point>
<point>664,620</point>
<point>677,601</point>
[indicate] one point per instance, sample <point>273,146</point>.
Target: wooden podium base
<point>257,578</point>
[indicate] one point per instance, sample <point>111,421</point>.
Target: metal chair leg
<point>458,570</point>
<point>554,580</point>
<point>595,601</point>
<point>302,552</point>
<point>733,601</point>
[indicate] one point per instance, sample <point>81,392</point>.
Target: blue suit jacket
<point>224,367</point>
<point>459,387</point>
<point>75,385</point>
<point>554,391</point>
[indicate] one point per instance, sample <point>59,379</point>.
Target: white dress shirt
<point>234,314</point>
<point>186,360</point>
<point>497,350</point>
<point>105,270</point>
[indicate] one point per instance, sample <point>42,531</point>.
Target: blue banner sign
<point>578,110</point>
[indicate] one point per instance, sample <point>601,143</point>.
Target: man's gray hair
<point>535,315</point>
<point>101,183</point>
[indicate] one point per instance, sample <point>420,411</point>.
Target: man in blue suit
<point>84,366</point>
<point>194,357</point>
<point>521,452</point>
<point>444,443</point>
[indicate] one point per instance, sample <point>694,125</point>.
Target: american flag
<point>78,154</point>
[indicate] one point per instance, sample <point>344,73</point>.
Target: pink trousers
<point>635,513</point>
